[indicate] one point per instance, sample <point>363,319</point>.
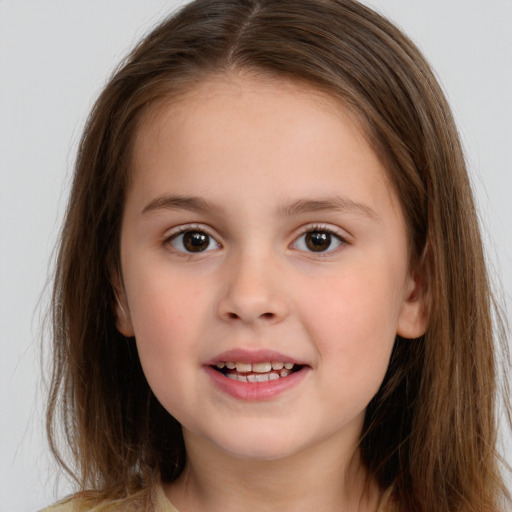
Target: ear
<point>121,311</point>
<point>413,319</point>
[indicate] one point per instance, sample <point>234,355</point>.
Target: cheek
<point>163,302</point>
<point>353,322</point>
<point>362,304</point>
<point>168,318</point>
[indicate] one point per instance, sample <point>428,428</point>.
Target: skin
<point>258,152</point>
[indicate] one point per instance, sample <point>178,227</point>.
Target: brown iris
<point>195,241</point>
<point>318,241</point>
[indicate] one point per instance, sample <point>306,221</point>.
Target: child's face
<point>260,228</point>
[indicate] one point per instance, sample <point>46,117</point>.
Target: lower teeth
<point>257,377</point>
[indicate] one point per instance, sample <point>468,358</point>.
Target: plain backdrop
<point>55,55</point>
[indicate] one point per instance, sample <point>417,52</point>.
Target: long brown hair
<point>431,430</point>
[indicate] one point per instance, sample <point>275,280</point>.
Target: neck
<point>314,479</point>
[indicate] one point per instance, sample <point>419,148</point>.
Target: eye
<point>318,240</point>
<point>193,241</point>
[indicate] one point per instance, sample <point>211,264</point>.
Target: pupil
<point>195,241</point>
<point>318,241</point>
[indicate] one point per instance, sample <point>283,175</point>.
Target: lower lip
<point>255,391</point>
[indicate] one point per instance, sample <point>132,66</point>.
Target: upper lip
<point>253,356</point>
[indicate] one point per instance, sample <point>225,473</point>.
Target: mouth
<point>256,372</point>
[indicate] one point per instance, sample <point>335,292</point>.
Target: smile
<point>256,372</point>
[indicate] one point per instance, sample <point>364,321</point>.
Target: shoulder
<point>162,503</point>
<point>86,504</point>
<point>67,505</point>
<point>152,499</point>
<point>389,502</point>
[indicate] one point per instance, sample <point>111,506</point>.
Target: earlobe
<point>121,310</point>
<point>413,320</point>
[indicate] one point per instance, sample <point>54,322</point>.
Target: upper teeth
<point>255,367</point>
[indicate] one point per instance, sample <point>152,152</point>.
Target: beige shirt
<point>162,504</point>
<point>158,499</point>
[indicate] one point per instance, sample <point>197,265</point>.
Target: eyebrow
<point>301,206</point>
<point>338,203</point>
<point>191,203</point>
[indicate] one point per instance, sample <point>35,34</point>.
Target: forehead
<point>201,100</point>
<point>231,123</point>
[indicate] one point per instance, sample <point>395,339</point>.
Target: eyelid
<point>193,226</point>
<point>173,233</point>
<point>337,232</point>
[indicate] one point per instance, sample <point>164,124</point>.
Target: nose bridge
<point>253,290</point>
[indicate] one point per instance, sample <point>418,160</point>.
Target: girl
<point>270,291</point>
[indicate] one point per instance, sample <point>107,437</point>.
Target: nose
<point>252,293</point>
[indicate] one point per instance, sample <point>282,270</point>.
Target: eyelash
<point>332,233</point>
<point>190,229</point>
<point>196,229</point>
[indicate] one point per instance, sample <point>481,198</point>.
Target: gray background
<point>54,57</point>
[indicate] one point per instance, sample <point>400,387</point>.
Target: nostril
<point>234,316</point>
